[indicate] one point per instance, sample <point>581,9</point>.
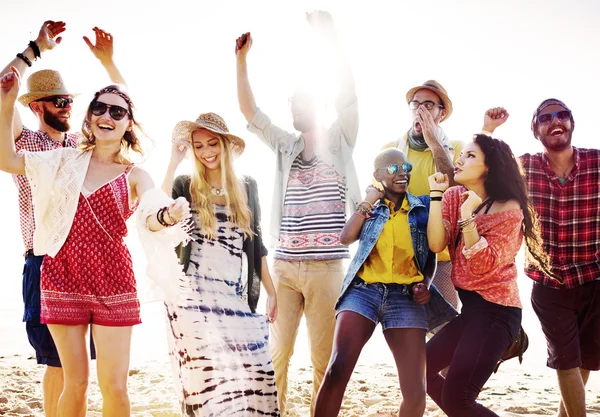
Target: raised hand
<point>493,118</point>
<point>243,44</point>
<point>48,36</point>
<point>472,201</point>
<point>103,49</point>
<point>179,209</point>
<point>439,181</point>
<point>321,21</point>
<point>178,151</point>
<point>9,87</point>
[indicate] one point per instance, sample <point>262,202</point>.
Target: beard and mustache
<point>55,123</point>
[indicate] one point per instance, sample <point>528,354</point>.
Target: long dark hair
<point>505,181</point>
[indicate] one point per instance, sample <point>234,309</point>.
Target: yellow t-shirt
<point>423,167</point>
<point>392,260</point>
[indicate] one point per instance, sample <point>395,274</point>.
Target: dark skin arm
<point>351,231</point>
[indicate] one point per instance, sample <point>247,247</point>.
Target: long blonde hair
<point>236,196</point>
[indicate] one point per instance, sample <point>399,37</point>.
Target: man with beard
<point>563,185</point>
<point>50,101</point>
<point>314,181</point>
<point>428,150</point>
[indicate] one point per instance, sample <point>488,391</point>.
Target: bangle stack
<point>466,221</point>
<point>363,211</point>
<point>160,216</point>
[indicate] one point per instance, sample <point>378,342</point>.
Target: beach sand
<point>529,389</point>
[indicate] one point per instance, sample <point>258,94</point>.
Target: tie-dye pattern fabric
<point>218,347</point>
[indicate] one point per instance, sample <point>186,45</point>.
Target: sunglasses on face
<point>546,118</point>
<point>393,169</point>
<point>98,108</point>
<point>59,102</point>
<point>414,105</point>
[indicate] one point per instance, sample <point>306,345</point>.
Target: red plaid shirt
<point>569,217</point>
<point>33,142</point>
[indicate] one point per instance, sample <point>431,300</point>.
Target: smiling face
<point>470,165</point>
<point>393,184</point>
<point>556,135</point>
<point>103,126</point>
<point>207,148</point>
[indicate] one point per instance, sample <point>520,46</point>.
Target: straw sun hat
<point>44,83</point>
<point>213,123</point>
<point>435,87</point>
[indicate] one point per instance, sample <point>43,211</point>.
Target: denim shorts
<point>385,303</point>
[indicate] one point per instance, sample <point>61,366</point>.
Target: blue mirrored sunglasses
<point>394,168</point>
<point>546,118</point>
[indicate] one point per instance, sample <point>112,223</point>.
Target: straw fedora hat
<point>213,123</point>
<point>435,87</point>
<point>44,83</point>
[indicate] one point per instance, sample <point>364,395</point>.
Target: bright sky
<point>178,59</point>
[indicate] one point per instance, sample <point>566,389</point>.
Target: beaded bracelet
<point>362,211</point>
<point>36,49</point>
<point>25,59</point>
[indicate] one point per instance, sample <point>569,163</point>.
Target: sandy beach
<point>516,390</point>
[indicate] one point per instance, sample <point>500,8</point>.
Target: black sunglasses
<point>546,118</point>
<point>393,169</point>
<point>98,108</point>
<point>59,102</point>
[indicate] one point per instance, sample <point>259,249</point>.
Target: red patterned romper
<point>90,280</point>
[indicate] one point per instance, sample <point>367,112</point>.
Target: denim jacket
<point>439,311</point>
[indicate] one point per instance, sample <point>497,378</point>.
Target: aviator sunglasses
<point>59,102</point>
<point>393,169</point>
<point>546,118</point>
<point>98,108</point>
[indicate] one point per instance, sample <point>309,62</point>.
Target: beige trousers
<point>312,288</point>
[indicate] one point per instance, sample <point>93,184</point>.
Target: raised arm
<point>47,39</point>
<point>351,231</point>
<point>9,89</point>
<point>245,96</point>
<point>492,119</point>
<point>178,151</point>
<point>103,50</point>
<point>436,233</point>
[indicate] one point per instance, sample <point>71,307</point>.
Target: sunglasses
<point>414,105</point>
<point>546,118</point>
<point>98,108</point>
<point>393,169</point>
<point>59,102</point>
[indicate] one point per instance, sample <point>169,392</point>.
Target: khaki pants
<point>312,288</point>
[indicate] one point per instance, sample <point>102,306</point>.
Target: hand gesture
<point>179,209</point>
<point>472,201</point>
<point>373,194</point>
<point>103,49</point>
<point>9,87</point>
<point>438,181</point>
<point>243,45</point>
<point>48,37</point>
<point>421,294</point>
<point>178,150</point>
<point>493,118</point>
<point>321,21</point>
<point>272,308</point>
<point>430,129</point>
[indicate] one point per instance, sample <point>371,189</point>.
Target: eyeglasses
<point>98,108</point>
<point>414,105</point>
<point>546,118</point>
<point>59,102</point>
<point>393,169</point>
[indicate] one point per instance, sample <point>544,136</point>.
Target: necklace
<point>218,191</point>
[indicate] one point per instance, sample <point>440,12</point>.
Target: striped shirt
<point>34,141</point>
<point>313,213</point>
<point>569,216</point>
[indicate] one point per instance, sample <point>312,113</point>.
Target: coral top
<point>488,267</point>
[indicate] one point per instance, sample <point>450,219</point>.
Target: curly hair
<point>505,181</point>
<point>130,141</point>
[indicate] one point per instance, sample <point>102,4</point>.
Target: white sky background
<point>178,60</point>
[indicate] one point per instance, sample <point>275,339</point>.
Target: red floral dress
<point>90,280</point>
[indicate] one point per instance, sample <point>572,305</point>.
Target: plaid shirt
<point>569,217</point>
<point>33,142</point>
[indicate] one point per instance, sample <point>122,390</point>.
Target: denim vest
<point>439,311</point>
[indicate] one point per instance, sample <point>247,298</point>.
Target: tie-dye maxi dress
<point>218,347</point>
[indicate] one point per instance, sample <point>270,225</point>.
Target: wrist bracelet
<point>463,222</point>
<point>474,228</point>
<point>160,216</point>
<point>171,221</point>
<point>36,49</point>
<point>438,191</point>
<point>435,198</point>
<point>25,59</point>
<point>365,201</point>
